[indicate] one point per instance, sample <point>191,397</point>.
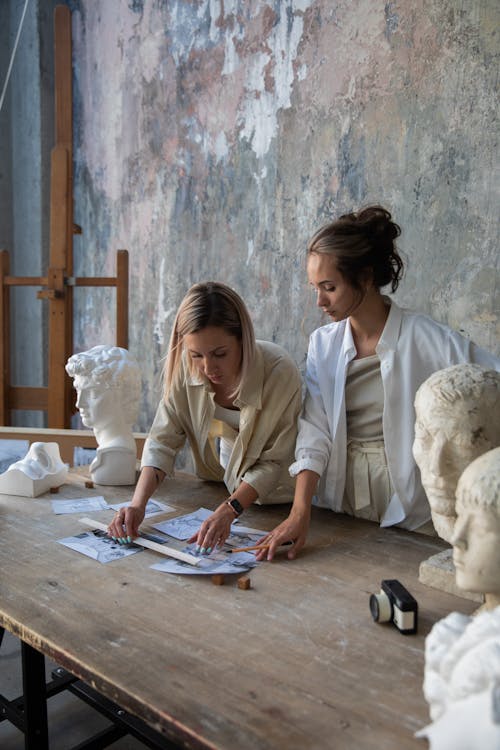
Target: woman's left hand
<point>214,531</point>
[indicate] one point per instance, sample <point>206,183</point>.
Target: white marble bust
<point>462,682</point>
<point>476,538</point>
<point>462,654</point>
<point>107,381</point>
<point>457,420</point>
<point>39,470</point>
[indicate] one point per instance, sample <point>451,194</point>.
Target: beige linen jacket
<point>269,403</point>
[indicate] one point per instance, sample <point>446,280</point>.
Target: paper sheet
<point>99,546</point>
<point>216,563</point>
<point>152,507</point>
<point>79,505</point>
<point>183,527</point>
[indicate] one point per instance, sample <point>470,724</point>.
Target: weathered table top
<point>295,662</point>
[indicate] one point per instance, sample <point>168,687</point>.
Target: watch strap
<point>235,506</point>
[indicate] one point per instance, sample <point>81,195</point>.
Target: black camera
<point>397,604</point>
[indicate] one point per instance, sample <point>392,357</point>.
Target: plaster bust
<point>462,682</point>
<point>107,381</point>
<point>457,419</point>
<point>476,538</point>
<point>39,470</point>
<point>462,654</point>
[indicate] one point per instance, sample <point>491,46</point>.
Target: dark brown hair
<point>362,242</point>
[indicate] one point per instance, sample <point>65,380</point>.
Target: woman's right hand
<point>125,525</point>
<point>292,529</point>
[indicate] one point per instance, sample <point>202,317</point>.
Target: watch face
<point>238,508</point>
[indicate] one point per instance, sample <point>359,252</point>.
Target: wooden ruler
<point>161,548</point>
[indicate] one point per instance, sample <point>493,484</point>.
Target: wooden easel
<point>57,399</point>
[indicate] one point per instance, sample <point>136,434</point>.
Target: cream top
<point>364,398</point>
<point>230,416</point>
<point>229,420</point>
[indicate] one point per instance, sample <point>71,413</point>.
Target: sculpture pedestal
<point>114,466</point>
<point>16,482</point>
<point>439,573</point>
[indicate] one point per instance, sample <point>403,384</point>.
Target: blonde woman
<point>234,399</point>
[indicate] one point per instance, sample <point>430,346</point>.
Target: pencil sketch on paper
<point>99,546</point>
<point>183,527</point>
<point>79,505</point>
<point>152,507</point>
<point>238,539</point>
<point>214,564</point>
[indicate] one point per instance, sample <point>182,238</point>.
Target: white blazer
<point>411,348</point>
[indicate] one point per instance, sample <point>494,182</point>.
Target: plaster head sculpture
<point>462,682</point>
<point>476,538</point>
<point>107,381</point>
<point>37,472</point>
<point>457,419</point>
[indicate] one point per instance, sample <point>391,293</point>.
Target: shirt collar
<point>252,386</point>
<point>389,338</point>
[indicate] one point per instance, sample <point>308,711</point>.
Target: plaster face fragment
<point>38,471</point>
<point>457,420</point>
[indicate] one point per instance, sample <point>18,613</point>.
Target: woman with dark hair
<point>236,400</point>
<point>354,447</point>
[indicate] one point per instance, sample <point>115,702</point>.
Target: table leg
<point>36,735</point>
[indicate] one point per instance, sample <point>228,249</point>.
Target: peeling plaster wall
<point>213,138</point>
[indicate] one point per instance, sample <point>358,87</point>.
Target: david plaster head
<point>457,420</point>
<point>476,538</point>
<point>107,381</point>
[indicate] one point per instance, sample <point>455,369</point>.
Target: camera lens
<point>380,607</point>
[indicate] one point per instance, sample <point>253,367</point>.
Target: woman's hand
<point>214,531</point>
<point>125,525</point>
<point>292,529</point>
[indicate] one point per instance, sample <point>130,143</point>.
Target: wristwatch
<point>236,506</point>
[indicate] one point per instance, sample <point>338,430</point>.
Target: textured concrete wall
<point>212,139</point>
<point>26,137</point>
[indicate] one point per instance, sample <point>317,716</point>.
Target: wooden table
<point>295,662</point>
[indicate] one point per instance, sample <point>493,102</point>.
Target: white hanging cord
<point>13,54</point>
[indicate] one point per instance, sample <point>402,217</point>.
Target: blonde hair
<point>210,304</point>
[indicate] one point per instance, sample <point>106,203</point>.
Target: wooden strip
<point>63,75</point>
<point>28,397</point>
<point>122,299</point>
<point>5,343</point>
<point>59,194</point>
<point>25,281</point>
<point>68,440</point>
<point>147,543</point>
<point>59,316</point>
<point>95,281</point>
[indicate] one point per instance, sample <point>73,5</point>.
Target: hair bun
<point>378,221</point>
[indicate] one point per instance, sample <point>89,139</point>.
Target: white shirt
<point>412,346</point>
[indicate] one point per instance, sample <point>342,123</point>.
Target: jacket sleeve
<point>280,411</point>
<point>165,438</point>
<point>314,440</point>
